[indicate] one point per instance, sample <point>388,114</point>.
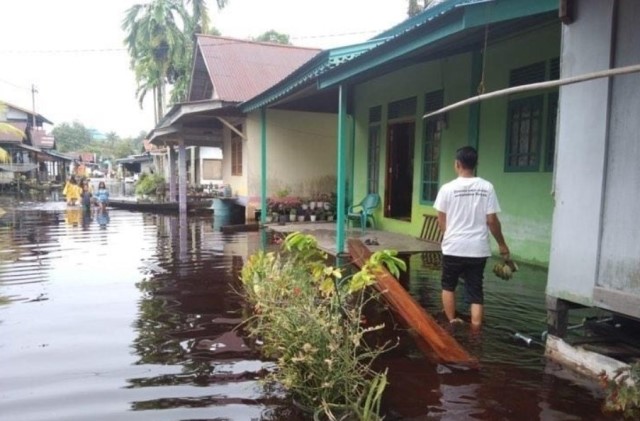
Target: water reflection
<point>138,314</point>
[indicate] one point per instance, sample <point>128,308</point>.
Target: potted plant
<point>293,212</point>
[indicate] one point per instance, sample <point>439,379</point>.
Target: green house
<point>448,53</point>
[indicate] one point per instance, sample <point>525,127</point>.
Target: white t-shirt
<point>467,201</point>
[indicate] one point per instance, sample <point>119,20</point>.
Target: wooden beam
<point>232,128</point>
<point>538,86</point>
<point>429,335</point>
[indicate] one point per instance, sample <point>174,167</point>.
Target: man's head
<point>466,159</point>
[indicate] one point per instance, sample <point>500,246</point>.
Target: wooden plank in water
<point>426,330</point>
<point>230,229</point>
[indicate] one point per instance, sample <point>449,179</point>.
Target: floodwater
<point>131,316</point>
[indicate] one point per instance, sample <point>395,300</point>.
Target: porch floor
<point>325,233</point>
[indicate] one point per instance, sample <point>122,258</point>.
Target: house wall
<point>301,157</point>
<point>525,197</point>
<point>602,245</point>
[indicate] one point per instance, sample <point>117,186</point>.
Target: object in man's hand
<point>505,270</point>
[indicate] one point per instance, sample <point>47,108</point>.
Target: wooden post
<point>182,178</point>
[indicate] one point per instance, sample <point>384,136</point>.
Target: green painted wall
<point>525,197</point>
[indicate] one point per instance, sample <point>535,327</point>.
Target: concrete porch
<point>325,233</point>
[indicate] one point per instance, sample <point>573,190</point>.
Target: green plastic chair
<point>363,211</point>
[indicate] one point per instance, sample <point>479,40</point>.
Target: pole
<point>340,221</point>
<point>33,105</point>
<point>538,86</point>
<point>263,165</point>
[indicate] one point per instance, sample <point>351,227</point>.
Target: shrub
<point>309,319</point>
<point>149,183</point>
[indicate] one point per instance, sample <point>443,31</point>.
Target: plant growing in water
<point>623,392</point>
<point>309,317</point>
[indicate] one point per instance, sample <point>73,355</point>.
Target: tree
<point>273,37</point>
<point>160,38</point>
<point>72,137</point>
<point>7,128</point>
<point>415,8</point>
<point>156,42</point>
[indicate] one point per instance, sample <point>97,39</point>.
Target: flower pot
<point>313,218</point>
<point>292,217</point>
<point>300,218</point>
<point>268,219</point>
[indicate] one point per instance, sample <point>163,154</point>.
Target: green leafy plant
<point>149,184</point>
<point>623,392</point>
<point>308,316</point>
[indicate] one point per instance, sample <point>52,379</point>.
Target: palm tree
<point>156,41</point>
<point>160,38</point>
<point>7,128</point>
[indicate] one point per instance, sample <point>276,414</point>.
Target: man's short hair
<point>468,157</point>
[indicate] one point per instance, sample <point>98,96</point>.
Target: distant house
<point>225,73</point>
<point>32,152</point>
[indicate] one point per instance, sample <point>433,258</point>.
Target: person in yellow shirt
<point>72,191</point>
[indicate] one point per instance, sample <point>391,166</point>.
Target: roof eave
<point>461,16</point>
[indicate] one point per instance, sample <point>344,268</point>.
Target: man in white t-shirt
<point>467,211</point>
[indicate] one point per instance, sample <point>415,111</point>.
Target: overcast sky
<point>72,50</point>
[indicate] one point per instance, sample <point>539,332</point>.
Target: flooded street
<point>126,316</point>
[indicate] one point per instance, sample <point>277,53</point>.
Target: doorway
<point>399,183</point>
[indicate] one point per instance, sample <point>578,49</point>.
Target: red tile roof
<point>241,69</point>
<point>9,136</point>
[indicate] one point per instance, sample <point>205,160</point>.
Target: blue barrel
<point>221,212</point>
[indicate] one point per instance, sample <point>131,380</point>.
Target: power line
<point>14,85</point>
<point>112,50</point>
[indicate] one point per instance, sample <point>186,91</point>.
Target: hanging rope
<point>481,86</point>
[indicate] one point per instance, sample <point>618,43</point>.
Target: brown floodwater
<point>132,316</point>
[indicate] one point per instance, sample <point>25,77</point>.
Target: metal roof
<point>309,72</point>
<point>240,69</point>
<point>30,113</point>
<point>439,21</point>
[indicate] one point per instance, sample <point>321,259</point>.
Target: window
<point>524,126</point>
<point>236,153</point>
<point>431,147</point>
<point>373,161</point>
<point>212,169</point>
<point>531,121</point>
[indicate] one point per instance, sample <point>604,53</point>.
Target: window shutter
<point>528,74</point>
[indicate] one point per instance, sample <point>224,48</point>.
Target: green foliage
<point>75,137</point>
<point>273,37</point>
<point>623,392</point>
<point>149,184</point>
<point>72,137</point>
<point>159,38</point>
<point>309,318</point>
<point>415,8</point>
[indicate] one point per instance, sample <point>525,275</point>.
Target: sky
<point>72,51</point>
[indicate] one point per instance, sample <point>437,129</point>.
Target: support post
<point>182,178</point>
<point>172,173</point>
<point>557,316</point>
<point>263,164</point>
<point>192,175</point>
<point>340,188</point>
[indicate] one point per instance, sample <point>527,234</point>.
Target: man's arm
<point>496,230</point>
<point>442,221</point>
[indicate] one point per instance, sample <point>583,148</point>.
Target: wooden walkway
<point>325,233</point>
